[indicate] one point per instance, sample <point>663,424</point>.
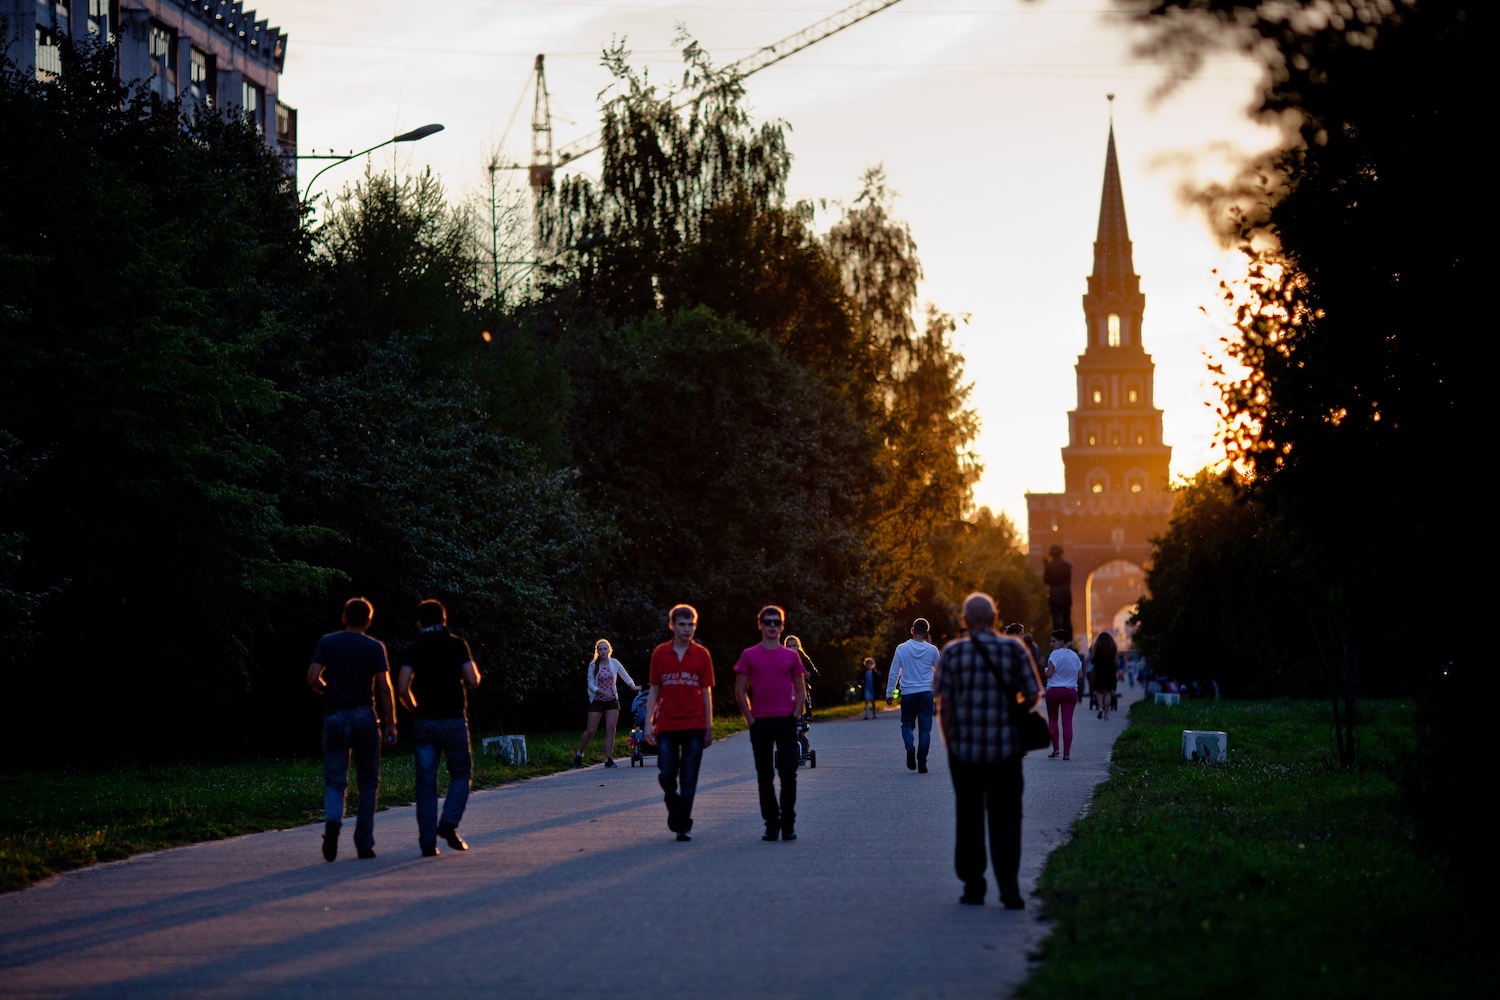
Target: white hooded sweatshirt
<point>911,667</point>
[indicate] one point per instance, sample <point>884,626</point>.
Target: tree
<point>1199,622</point>
<point>735,478</point>
<point>407,443</point>
<point>135,309</point>
<point>1366,276</point>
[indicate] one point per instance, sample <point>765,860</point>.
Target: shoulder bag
<point>1030,726</point>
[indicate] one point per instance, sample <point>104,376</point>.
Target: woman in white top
<point>1063,668</point>
<point>604,701</point>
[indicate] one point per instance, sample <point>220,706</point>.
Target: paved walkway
<point>573,886</point>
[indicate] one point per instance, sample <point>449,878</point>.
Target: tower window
<point>1096,487</point>
<point>1114,330</point>
<point>1140,438</point>
<point>1133,396</point>
<point>1097,395</point>
<point>1093,439</point>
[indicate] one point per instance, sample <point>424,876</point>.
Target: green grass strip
<point>1276,874</point>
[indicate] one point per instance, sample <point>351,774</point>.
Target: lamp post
<point>412,136</point>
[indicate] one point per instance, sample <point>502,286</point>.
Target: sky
<point>990,118</point>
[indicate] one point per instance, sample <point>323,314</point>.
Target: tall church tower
<point>1116,493</point>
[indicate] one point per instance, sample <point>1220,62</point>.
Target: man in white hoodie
<point>911,671</point>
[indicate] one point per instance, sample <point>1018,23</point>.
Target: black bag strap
<point>1006,689</point>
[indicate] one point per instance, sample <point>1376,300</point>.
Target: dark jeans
<point>431,738</point>
<point>988,791</point>
<point>916,710</point>
<point>352,730</point>
<point>780,733</point>
<point>679,754</point>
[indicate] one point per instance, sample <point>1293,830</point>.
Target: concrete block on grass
<point>511,749</point>
<point>1202,744</point>
<point>1168,698</point>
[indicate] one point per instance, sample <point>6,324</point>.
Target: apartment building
<point>208,53</point>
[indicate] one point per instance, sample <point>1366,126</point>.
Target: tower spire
<point>1114,266</point>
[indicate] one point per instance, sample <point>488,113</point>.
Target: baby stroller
<point>806,755</point>
<point>639,748</point>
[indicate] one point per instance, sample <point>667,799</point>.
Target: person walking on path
<point>983,681</point>
<point>680,715</point>
<point>604,701</point>
<point>1063,668</point>
<point>868,680</point>
<point>770,685</point>
<point>911,671</point>
<point>352,673</point>
<point>1102,666</point>
<point>437,674</point>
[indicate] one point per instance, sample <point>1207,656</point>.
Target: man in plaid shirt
<point>984,748</point>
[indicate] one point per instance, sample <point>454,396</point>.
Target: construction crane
<point>543,160</point>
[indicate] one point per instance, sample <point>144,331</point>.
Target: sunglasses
<point>771,621</point>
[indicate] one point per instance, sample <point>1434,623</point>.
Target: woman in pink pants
<point>1063,668</point>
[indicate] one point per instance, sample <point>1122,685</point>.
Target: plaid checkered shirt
<point>982,730</point>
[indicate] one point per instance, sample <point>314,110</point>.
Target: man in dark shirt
<point>347,668</point>
<point>437,673</point>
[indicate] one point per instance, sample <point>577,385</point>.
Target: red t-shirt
<point>679,686</point>
<point>773,692</point>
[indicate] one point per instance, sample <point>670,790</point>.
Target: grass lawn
<point>53,820</point>
<point>1276,874</point>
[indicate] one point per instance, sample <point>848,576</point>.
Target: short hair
<point>358,611</point>
<point>869,661</point>
<point>771,607</point>
<point>921,627</point>
<point>431,612</point>
<point>682,611</point>
<point>1060,635</point>
<point>979,610</point>
<point>1015,628</point>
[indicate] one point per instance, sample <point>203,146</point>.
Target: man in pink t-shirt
<point>771,686</point>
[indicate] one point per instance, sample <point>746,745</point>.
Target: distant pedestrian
<point>983,682</point>
<point>1102,666</point>
<point>1063,668</point>
<point>911,671</point>
<point>770,686</point>
<point>604,701</point>
<point>1057,574</point>
<point>868,679</point>
<point>680,715</point>
<point>437,674</point>
<point>352,673</point>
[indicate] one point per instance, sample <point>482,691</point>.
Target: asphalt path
<point>573,886</point>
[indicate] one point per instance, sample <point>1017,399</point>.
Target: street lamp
<point>412,136</point>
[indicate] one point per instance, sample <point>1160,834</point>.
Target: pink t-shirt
<point>773,693</point>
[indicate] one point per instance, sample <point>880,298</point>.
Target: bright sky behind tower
<point>990,118</point>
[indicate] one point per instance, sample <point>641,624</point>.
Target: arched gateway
<point>1116,494</point>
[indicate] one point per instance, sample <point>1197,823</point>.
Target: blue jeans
<point>916,710</point>
<point>352,730</point>
<point>431,738</point>
<point>679,754</point>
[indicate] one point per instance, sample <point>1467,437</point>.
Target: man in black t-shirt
<point>350,670</point>
<point>437,672</point>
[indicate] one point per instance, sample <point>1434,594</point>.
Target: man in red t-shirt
<point>771,687</point>
<point>680,715</point>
